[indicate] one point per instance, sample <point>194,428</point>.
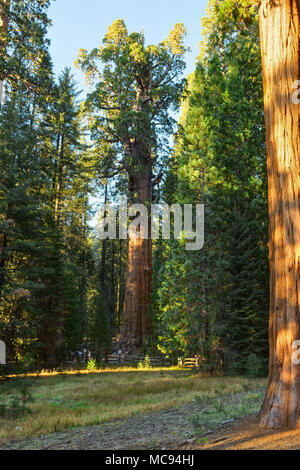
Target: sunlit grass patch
<point>228,408</point>
<point>70,399</point>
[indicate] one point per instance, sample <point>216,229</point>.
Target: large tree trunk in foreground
<point>279,27</point>
<point>136,323</point>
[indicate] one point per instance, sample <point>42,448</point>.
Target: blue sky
<point>83,24</point>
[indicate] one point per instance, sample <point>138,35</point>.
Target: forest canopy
<point>61,287</point>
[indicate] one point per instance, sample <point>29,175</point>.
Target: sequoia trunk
<point>136,323</point>
<point>279,29</point>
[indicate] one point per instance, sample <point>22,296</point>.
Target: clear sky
<point>83,24</point>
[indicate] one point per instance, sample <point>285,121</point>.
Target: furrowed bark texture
<point>136,323</point>
<point>279,29</point>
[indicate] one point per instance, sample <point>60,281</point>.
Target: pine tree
<point>23,43</point>
<point>215,302</point>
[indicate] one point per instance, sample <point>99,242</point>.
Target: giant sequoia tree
<point>280,34</point>
<point>135,87</point>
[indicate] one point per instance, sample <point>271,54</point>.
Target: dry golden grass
<point>70,399</point>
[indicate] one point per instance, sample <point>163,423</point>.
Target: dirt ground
<point>245,434</point>
<point>166,430</point>
<point>157,430</point>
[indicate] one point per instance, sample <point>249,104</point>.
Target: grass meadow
<point>83,398</point>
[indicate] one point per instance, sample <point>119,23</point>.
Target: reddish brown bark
<point>136,323</point>
<point>279,28</point>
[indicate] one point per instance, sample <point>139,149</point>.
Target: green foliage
<point>256,366</point>
<point>134,89</point>
<point>46,255</point>
<point>229,408</point>
<point>91,365</point>
<point>15,399</point>
<point>145,364</point>
<point>28,363</point>
<point>215,302</point>
<point>99,328</point>
<point>24,59</point>
<point>58,287</point>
